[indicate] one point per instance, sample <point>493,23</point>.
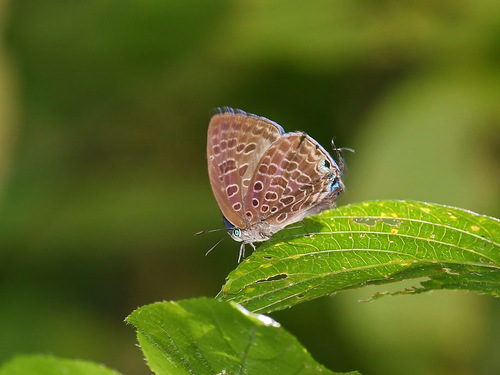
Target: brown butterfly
<point>265,179</point>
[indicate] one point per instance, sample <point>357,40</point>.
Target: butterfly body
<point>265,179</point>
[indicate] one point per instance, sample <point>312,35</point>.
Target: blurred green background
<point>104,107</point>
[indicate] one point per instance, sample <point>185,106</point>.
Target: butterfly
<point>264,179</point>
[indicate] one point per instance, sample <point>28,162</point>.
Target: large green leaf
<point>370,243</point>
<point>205,336</point>
<point>48,365</point>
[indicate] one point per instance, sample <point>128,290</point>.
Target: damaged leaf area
<point>370,243</point>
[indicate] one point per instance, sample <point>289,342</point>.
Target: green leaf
<point>370,243</point>
<point>48,365</point>
<point>205,336</point>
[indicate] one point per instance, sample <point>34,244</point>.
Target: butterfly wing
<point>236,142</point>
<point>296,178</point>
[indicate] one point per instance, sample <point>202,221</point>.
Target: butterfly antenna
<point>213,247</point>
<point>209,231</point>
<point>340,157</point>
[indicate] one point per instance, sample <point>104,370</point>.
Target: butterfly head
<point>234,232</point>
<point>255,233</point>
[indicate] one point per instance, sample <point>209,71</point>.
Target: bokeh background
<point>104,107</point>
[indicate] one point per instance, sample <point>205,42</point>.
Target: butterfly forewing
<point>236,142</point>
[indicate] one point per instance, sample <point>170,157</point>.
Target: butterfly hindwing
<point>294,175</point>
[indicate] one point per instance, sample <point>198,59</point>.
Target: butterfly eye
<point>236,232</point>
<point>335,184</point>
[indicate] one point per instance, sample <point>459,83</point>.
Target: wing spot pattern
<point>232,190</point>
<point>258,186</point>
<point>250,148</point>
<point>271,196</point>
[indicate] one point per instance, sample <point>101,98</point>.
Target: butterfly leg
<point>242,250</point>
